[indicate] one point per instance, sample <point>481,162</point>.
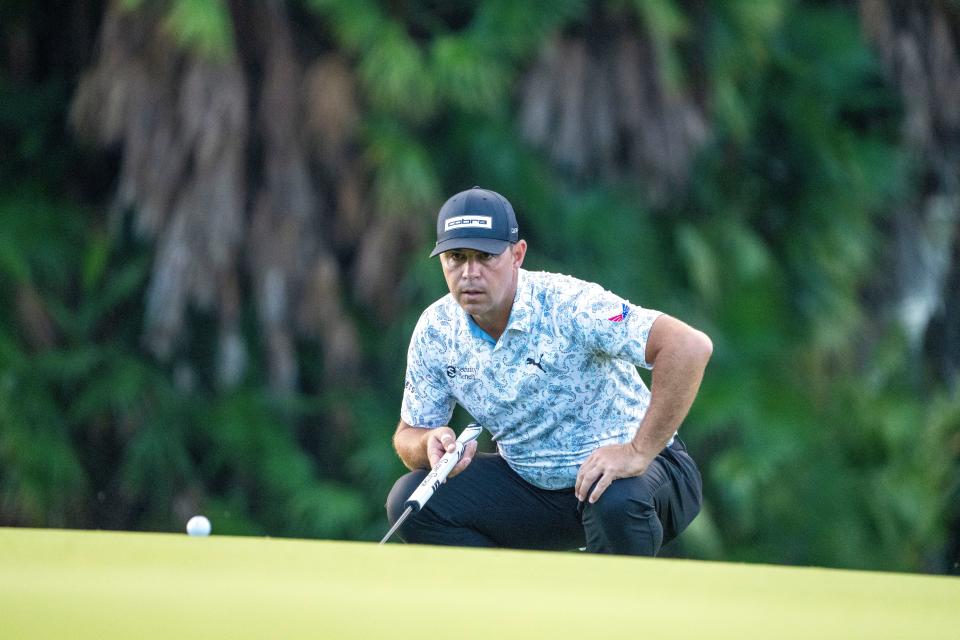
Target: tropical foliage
<point>213,240</point>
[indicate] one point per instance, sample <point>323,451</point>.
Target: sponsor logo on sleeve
<point>620,316</point>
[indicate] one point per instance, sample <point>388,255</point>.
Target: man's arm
<point>679,355</point>
<point>420,448</point>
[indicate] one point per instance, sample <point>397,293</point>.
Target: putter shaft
<point>399,522</point>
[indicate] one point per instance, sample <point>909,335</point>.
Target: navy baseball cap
<point>476,219</point>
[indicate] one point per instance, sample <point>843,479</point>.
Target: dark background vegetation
<point>215,216</point>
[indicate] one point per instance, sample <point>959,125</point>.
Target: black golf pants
<point>490,505</point>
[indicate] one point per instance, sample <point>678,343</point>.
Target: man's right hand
<point>443,440</point>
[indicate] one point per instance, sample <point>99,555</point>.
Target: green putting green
<point>85,584</point>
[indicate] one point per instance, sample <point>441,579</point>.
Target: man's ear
<point>519,251</point>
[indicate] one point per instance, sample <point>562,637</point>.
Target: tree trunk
<point>598,104</point>
<point>192,150</point>
<point>918,46</point>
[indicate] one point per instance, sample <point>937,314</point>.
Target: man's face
<point>483,284</point>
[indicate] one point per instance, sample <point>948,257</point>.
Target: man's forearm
<point>677,374</point>
<point>411,445</point>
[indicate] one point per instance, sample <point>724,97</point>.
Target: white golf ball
<point>198,526</point>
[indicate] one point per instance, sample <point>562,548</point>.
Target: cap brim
<point>487,245</point>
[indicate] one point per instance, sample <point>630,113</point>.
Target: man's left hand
<point>605,465</point>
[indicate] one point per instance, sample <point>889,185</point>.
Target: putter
<point>436,477</point>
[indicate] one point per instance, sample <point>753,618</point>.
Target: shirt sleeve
<point>427,401</point>
<point>609,324</point>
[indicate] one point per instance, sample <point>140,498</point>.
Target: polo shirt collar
<point>521,315</point>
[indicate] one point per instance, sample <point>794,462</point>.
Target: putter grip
<point>439,473</point>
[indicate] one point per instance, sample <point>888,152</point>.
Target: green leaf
<point>513,30</point>
<point>467,78</point>
<point>700,262</point>
<point>405,179</point>
<point>357,23</point>
<point>95,260</point>
<point>202,26</point>
<point>395,75</point>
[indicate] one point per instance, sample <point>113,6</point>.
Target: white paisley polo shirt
<point>559,383</point>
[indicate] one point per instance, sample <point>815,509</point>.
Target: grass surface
<point>83,584</point>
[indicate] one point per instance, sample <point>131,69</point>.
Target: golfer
<point>587,455</point>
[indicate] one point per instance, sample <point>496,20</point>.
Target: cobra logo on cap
<point>460,222</point>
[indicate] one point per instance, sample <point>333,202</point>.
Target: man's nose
<point>472,267</point>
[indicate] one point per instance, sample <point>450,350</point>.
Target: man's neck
<point>494,327</point>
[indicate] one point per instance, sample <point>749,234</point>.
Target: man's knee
<point>624,520</point>
<point>623,501</point>
<point>401,491</point>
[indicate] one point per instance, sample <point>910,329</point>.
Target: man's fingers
<point>468,453</point>
<point>600,487</point>
<point>440,442</point>
<point>581,474</point>
<point>460,467</point>
<point>586,481</point>
<point>436,452</point>
<point>448,441</point>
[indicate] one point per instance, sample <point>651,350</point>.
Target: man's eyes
<point>461,257</point>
